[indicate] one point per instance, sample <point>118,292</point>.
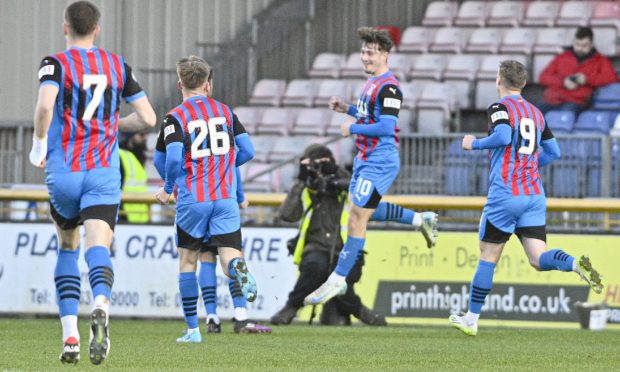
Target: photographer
<point>318,199</point>
<point>572,76</point>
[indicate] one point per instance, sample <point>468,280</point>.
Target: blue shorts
<point>371,179</point>
<point>512,214</point>
<point>77,196</point>
<point>197,223</point>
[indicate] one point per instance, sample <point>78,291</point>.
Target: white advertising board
<point>146,270</point>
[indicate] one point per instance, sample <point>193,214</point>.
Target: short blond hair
<point>513,74</point>
<point>193,71</point>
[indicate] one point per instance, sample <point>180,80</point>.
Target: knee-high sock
<point>480,285</point>
<point>67,279</point>
<point>556,259</point>
<point>391,212</point>
<point>188,288</point>
<point>100,271</point>
<point>208,286</point>
<point>351,251</point>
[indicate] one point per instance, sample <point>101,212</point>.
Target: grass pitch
<point>34,344</point>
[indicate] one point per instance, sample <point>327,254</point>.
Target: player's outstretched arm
<point>386,126</point>
<point>43,114</point>
<point>143,117</point>
<point>499,138</point>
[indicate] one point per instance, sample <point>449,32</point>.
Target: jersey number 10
<point>219,141</point>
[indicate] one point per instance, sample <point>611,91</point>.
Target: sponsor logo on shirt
<point>391,102</point>
<point>498,116</point>
<point>46,70</point>
<point>168,130</point>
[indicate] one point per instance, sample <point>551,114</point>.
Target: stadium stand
<point>268,92</point>
<point>327,65</point>
<point>560,121</point>
<point>415,40</point>
<point>440,13</point>
<point>575,13</point>
<point>472,13</point>
<point>506,13</point>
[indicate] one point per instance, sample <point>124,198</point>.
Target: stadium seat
<point>486,75</point>
<point>327,65</point>
<point>249,117</point>
<point>506,13</point>
<point>472,13</point>
<point>484,40</point>
<point>262,146</point>
<point>275,121</point>
<point>353,67</point>
<point>615,130</point>
<point>594,121</point>
<point>560,121</point>
<point>286,147</point>
<point>329,88</point>
<point>434,107</point>
<point>448,40</point>
<point>405,121</point>
<point>460,74</point>
<point>540,61</point>
<point>440,13</point>
<point>518,40</point>
<point>551,40</point>
<point>607,98</point>
<point>343,149</point>
<point>428,66</point>
<point>355,89</point>
<point>411,91</point>
<point>299,92</point>
<point>336,119</point>
<point>312,121</point>
<point>400,64</point>
<point>541,13</point>
<point>606,40</point>
<point>415,40</point>
<point>256,182</point>
<point>268,92</point>
<point>575,13</point>
<point>606,13</point>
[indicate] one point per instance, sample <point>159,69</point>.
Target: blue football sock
<point>208,286</point>
<point>556,259</point>
<point>236,294</point>
<point>348,256</point>
<point>100,271</point>
<point>188,287</point>
<point>67,278</point>
<point>392,212</point>
<point>481,285</point>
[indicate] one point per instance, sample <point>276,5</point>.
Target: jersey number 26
<point>219,141</point>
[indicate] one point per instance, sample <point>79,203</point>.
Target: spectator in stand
<point>572,76</point>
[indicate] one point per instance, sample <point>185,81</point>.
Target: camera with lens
<point>322,177</point>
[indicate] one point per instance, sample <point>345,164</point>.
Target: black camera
<point>322,177</point>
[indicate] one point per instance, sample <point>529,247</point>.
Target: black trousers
<point>314,270</point>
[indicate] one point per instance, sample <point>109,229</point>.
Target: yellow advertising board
<point>409,283</point>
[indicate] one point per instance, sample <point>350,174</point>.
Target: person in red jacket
<point>572,76</point>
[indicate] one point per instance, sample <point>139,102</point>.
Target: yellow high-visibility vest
<point>305,222</point>
<point>135,181</point>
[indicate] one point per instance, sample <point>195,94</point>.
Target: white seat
<point>253,180</point>
<point>484,40</point>
<point>286,147</point>
<point>329,88</point>
<point>353,67</point>
<point>472,13</point>
<point>440,13</point>
<point>541,13</point>
<point>263,144</point>
<point>415,40</point>
<point>355,89</point>
<point>434,107</point>
<point>275,121</point>
<point>460,74</point>
<point>518,40</point>
<point>540,62</point>
<point>448,40</point>
<point>550,40</point>
<point>506,13</point>
<point>399,64</point>
<point>336,119</point>
<point>606,40</point>
<point>312,121</point>
<point>428,66</point>
<point>575,13</point>
<point>249,117</point>
<point>327,65</point>
<point>299,92</point>
<point>411,92</point>
<point>268,92</point>
<point>405,121</point>
<point>606,13</point>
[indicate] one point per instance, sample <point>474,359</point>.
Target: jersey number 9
<point>527,128</point>
<point>219,141</point>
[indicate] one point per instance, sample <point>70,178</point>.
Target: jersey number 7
<point>219,141</point>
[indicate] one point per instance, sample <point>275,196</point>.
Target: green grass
<point>34,344</point>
